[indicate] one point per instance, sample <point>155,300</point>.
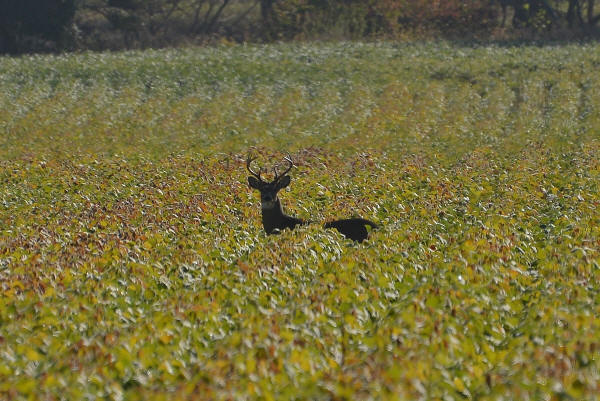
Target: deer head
<point>268,190</point>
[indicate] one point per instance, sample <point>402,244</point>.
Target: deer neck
<point>274,218</point>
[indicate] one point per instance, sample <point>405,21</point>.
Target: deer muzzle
<point>267,204</point>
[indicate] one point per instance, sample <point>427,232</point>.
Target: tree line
<point>58,25</point>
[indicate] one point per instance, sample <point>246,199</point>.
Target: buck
<point>273,217</point>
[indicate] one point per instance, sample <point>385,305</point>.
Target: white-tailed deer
<point>273,217</point>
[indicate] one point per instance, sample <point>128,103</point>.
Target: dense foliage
<point>133,264</point>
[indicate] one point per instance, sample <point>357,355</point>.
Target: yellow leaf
<point>165,338</point>
<point>458,383</point>
<point>33,355</point>
<point>49,291</point>
<point>5,370</point>
<point>250,364</point>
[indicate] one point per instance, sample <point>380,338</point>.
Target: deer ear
<point>254,183</point>
<point>283,182</point>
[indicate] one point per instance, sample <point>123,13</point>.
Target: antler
<point>249,160</point>
<point>287,159</point>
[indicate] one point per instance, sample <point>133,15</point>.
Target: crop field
<point>134,266</point>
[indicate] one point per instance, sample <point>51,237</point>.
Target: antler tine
<point>249,160</point>
<point>277,175</point>
<point>290,161</point>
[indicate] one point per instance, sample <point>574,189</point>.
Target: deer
<point>274,218</point>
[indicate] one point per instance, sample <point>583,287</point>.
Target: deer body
<point>274,218</point>
<point>355,229</point>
